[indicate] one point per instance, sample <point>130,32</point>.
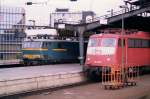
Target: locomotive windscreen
<point>32,44</point>
<point>108,42</point>
<point>105,42</point>
<point>92,42</point>
<point>101,46</point>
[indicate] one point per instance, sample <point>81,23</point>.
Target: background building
<point>12,21</point>
<point>64,15</point>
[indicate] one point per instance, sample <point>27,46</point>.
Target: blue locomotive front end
<point>32,52</point>
<point>49,51</point>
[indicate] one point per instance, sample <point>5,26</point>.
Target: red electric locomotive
<point>106,50</point>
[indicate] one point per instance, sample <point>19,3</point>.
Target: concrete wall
<point>8,87</point>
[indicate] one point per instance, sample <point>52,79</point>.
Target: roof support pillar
<point>81,30</point>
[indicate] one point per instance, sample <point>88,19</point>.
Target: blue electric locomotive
<point>50,50</point>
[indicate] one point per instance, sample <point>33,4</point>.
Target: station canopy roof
<point>141,2</point>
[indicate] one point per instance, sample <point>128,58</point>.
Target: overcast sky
<point>41,12</point>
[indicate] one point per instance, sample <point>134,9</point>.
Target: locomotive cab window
<point>108,42</point>
<point>92,42</point>
<point>32,44</point>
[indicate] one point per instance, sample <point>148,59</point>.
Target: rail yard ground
<point>94,91</point>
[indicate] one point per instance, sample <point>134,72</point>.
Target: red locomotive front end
<point>101,50</point>
<point>113,50</point>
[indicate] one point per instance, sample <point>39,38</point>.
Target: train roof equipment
<point>41,32</point>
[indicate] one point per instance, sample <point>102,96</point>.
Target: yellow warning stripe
<point>59,49</point>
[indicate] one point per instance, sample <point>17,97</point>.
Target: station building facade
<point>12,32</point>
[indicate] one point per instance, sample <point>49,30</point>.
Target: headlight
<point>108,59</point>
<point>88,59</point>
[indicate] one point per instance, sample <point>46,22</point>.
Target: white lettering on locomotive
<point>101,51</point>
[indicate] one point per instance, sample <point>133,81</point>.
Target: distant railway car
<point>45,51</point>
<point>105,50</point>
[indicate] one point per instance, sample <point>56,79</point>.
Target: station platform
<point>24,79</point>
